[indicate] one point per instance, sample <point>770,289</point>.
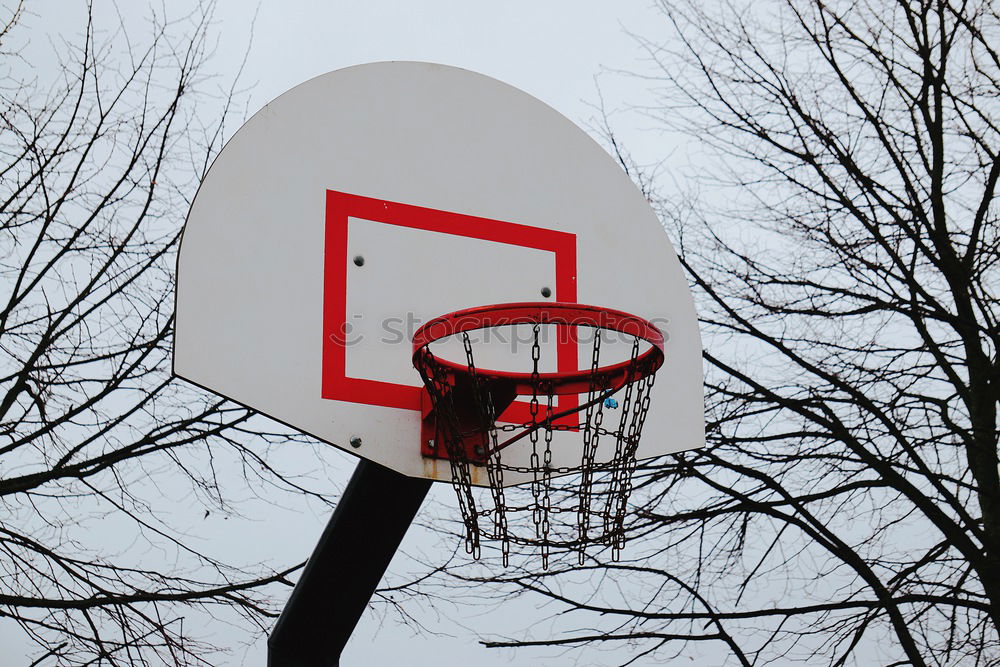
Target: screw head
<point>355,441</point>
<point>359,260</point>
<point>546,292</point>
<point>431,444</point>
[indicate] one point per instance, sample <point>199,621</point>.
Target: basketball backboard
<point>367,201</point>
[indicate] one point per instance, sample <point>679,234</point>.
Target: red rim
<point>564,314</point>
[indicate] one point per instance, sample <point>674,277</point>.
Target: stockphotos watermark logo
<point>516,335</point>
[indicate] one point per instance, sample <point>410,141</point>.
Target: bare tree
<point>100,448</point>
<point>844,255</point>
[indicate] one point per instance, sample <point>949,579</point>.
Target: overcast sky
<point>552,49</point>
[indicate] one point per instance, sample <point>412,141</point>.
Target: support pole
<point>346,566</point>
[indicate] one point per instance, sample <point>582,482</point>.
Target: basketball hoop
<point>471,415</point>
<point>326,253</point>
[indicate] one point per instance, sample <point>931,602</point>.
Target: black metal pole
<point>346,566</point>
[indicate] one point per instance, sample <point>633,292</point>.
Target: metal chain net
<point>566,507</point>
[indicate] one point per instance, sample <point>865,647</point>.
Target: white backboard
<point>366,201</point>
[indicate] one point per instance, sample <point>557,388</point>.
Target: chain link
<point>590,510</point>
<point>448,431</point>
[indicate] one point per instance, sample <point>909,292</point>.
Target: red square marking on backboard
<point>341,206</point>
